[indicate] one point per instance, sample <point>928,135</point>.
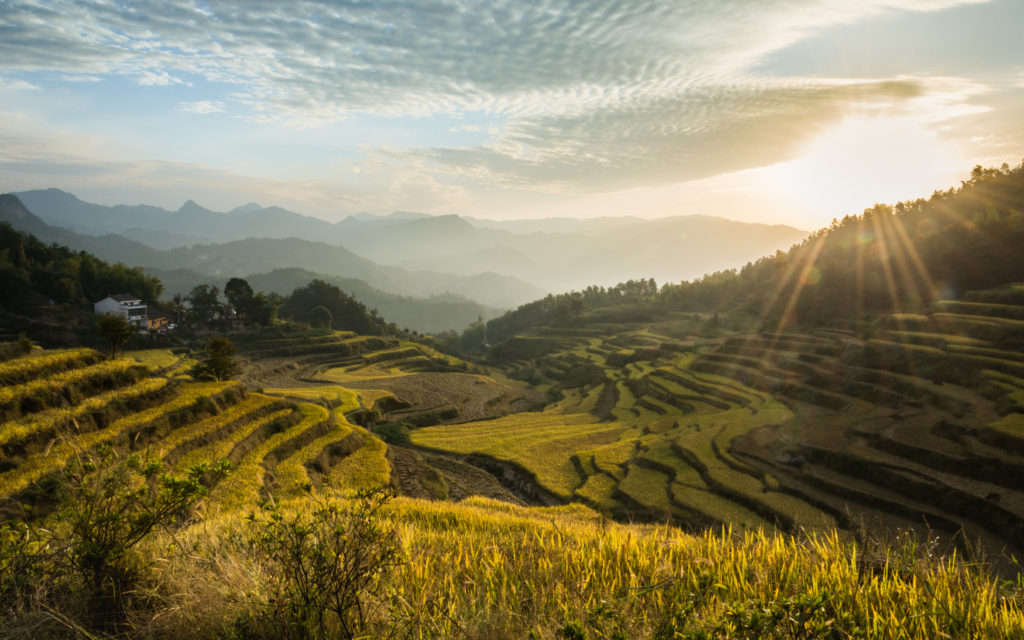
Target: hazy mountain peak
<point>59,193</point>
<point>192,207</point>
<point>13,208</point>
<point>52,196</point>
<point>245,208</point>
<point>449,222</point>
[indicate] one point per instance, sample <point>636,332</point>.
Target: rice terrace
<point>560,320</point>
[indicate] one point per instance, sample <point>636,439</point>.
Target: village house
<point>158,321</point>
<point>131,307</point>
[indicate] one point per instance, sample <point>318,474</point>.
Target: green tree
<point>264,308</point>
<point>240,296</point>
<point>179,305</point>
<point>473,337</point>
<point>219,362</point>
<point>205,302</point>
<point>116,329</point>
<point>321,317</point>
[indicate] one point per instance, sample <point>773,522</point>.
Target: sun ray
<point>800,284</point>
<point>898,252</point>
<point>861,247</point>
<point>884,251</point>
<point>911,252</point>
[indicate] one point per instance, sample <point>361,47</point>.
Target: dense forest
<point>323,304</point>
<point>886,260</point>
<point>32,272</point>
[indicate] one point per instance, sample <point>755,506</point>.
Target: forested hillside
<point>889,259</point>
<point>31,271</point>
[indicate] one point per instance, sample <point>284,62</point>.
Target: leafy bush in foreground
<point>326,564</point>
<point>85,566</point>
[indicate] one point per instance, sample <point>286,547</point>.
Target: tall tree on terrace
<point>116,329</point>
<point>179,305</point>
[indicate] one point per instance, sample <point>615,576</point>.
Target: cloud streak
<point>587,95</point>
<point>203,107</point>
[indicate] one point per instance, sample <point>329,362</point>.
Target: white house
<point>127,305</point>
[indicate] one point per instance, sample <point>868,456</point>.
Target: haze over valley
<point>497,264</point>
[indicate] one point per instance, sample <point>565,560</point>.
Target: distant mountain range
<point>438,312</point>
<point>552,255</point>
<point>399,262</point>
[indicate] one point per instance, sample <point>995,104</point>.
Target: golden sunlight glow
<point>864,161</point>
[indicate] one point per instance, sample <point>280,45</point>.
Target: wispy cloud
<point>81,78</point>
<point>663,141</point>
<point>590,95</point>
<point>203,106</point>
<point>17,85</point>
<point>157,79</point>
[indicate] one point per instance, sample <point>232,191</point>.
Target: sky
<point>778,111</point>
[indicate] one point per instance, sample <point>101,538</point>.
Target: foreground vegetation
<point>485,569</point>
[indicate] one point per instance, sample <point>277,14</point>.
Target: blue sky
<point>790,111</point>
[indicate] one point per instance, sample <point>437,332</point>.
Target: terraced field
<point>58,404</point>
<point>920,425</point>
<point>645,437</point>
<point>767,433</point>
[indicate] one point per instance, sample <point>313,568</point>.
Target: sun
<point>864,161</point>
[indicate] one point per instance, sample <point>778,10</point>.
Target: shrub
<point>24,562</point>
<point>111,504</point>
<point>396,433</point>
<point>25,344</point>
<point>219,363</point>
<point>326,563</point>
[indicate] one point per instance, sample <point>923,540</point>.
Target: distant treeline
<point>891,258</point>
<point>323,303</point>
<point>319,304</point>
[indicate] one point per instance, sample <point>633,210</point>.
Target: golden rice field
<point>541,443</point>
<point>759,462</point>
<point>185,423</point>
<point>488,569</point>
<point>346,399</point>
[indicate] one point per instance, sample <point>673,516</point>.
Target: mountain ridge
<point>555,254</point>
<point>258,255</point>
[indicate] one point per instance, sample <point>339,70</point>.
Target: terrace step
<point>186,439</point>
<point>66,387</point>
<point>945,492</point>
<point>761,376</point>
<point>31,433</point>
